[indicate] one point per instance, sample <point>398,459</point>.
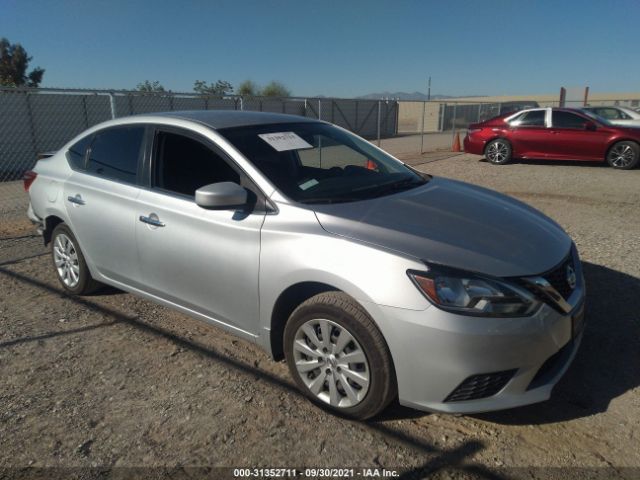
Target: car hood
<point>455,224</point>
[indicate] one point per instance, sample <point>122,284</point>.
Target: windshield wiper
<point>325,200</point>
<point>392,187</point>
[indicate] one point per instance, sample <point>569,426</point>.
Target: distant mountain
<point>405,96</point>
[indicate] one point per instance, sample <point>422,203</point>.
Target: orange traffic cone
<point>456,143</point>
<point>371,165</point>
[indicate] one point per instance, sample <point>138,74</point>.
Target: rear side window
<point>115,153</point>
<point>567,120</point>
<point>183,165</point>
<point>77,152</point>
<point>534,118</point>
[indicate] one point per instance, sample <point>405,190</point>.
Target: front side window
<point>115,153</point>
<point>77,153</point>
<point>182,165</point>
<point>319,163</point>
<point>533,118</point>
<point>562,119</point>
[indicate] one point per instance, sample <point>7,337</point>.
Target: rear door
<point>100,200</point>
<point>204,260</point>
<point>571,139</point>
<point>529,134</point>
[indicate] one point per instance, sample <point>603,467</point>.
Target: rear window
<point>534,118</point>
<point>115,153</point>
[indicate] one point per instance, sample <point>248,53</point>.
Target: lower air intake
<point>480,386</point>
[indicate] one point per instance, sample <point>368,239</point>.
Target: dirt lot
<point>113,382</point>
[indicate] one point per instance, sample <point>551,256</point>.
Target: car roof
<point>218,119</point>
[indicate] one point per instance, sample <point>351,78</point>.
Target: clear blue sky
<point>335,48</point>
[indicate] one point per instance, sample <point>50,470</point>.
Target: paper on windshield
<point>283,141</point>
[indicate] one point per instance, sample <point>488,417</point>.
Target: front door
<point>206,261</point>
<point>572,141</point>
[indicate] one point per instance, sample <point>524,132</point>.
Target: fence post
<point>424,110</point>
<point>319,109</point>
<point>453,125</point>
<point>112,104</point>
<point>379,108</point>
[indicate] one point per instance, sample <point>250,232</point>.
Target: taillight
<point>28,178</point>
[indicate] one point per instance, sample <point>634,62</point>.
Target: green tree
<point>14,62</point>
<point>248,88</point>
<point>151,87</point>
<point>275,89</point>
<point>221,87</point>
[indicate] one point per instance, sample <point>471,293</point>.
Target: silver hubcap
<point>331,363</point>
<point>65,258</point>
<point>621,156</point>
<point>497,152</point>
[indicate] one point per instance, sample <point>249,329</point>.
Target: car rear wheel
<point>70,265</point>
<point>624,155</point>
<point>498,151</point>
<point>338,357</point>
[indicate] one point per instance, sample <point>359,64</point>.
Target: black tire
<point>498,151</point>
<point>339,308</point>
<point>85,283</point>
<point>624,155</point>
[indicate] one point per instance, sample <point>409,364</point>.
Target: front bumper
<point>436,352</point>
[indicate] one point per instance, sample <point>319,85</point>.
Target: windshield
<point>597,117</point>
<point>319,163</point>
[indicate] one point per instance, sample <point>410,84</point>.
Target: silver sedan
<point>616,115</point>
<point>374,281</point>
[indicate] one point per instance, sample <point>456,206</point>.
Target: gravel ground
<point>110,382</point>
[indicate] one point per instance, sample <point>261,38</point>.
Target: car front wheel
<point>338,357</point>
<point>624,155</point>
<point>498,151</point>
<point>70,265</point>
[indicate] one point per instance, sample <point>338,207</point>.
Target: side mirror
<point>590,126</point>
<point>221,195</point>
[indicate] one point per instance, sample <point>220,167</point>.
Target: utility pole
<point>429,89</point>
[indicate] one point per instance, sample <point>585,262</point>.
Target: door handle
<point>77,199</point>
<point>152,220</point>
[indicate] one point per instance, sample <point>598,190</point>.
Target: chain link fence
<point>36,121</point>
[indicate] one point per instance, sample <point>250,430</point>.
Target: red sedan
<point>554,133</point>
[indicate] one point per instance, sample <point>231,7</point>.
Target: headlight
<point>470,294</point>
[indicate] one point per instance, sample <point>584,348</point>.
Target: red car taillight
<point>28,178</point>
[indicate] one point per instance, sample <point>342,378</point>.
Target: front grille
<point>480,386</point>
<point>551,366</point>
<point>558,278</point>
